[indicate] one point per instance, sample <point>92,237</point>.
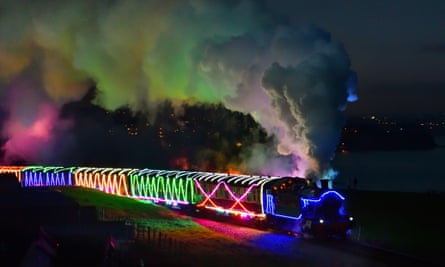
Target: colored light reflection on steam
<point>47,176</point>
<point>160,188</point>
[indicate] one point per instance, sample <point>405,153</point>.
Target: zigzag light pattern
<point>237,208</point>
<point>16,170</point>
<point>108,180</point>
<point>169,187</point>
<point>47,176</point>
<point>153,186</point>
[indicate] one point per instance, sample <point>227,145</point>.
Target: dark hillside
<point>408,222</point>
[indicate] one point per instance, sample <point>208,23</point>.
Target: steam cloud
<point>295,81</point>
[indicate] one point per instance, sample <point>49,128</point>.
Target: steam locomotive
<point>290,204</point>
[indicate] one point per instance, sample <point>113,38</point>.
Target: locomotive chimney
<point>324,184</point>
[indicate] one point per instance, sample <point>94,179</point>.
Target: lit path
<point>301,252</point>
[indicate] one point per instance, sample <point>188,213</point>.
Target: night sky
<point>396,47</point>
<point>296,68</point>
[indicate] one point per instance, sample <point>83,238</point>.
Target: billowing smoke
<point>294,81</point>
<point>32,125</point>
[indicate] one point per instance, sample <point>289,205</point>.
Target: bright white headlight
<point>351,218</point>
<point>321,221</point>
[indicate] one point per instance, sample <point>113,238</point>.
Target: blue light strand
<point>270,204</point>
<point>49,176</point>
<point>270,209</point>
<point>306,201</point>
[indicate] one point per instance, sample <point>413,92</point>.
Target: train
<point>289,204</point>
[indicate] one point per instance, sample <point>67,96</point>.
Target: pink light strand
<point>233,196</point>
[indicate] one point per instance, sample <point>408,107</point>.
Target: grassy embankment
<point>406,222</point>
<point>220,250</point>
<point>157,217</point>
<point>411,223</point>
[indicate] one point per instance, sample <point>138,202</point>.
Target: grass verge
<point>411,223</point>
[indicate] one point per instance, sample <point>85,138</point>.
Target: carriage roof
<point>211,177</point>
<point>234,179</point>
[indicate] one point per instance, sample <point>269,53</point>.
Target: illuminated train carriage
<point>173,188</point>
<point>237,195</point>
<point>45,176</point>
<point>109,180</point>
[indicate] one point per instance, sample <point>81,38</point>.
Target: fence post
<point>150,234</point>
<point>359,232</point>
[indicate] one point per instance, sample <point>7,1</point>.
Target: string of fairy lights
<point>239,195</point>
<point>170,187</point>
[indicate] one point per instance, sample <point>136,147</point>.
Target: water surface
<point>410,170</point>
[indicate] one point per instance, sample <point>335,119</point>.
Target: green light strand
<point>161,188</point>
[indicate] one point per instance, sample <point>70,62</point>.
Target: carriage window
<point>219,193</point>
<point>255,195</point>
<point>236,191</point>
<point>208,188</point>
<point>250,195</point>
